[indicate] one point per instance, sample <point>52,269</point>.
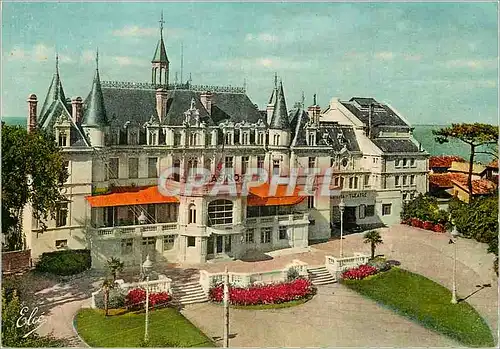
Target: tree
<point>115,265</point>
<point>478,136</point>
<point>373,238</point>
<point>106,286</point>
<point>33,171</point>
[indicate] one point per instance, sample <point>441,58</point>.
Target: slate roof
<point>382,115</point>
<point>94,110</point>
<point>160,55</point>
<point>298,119</point>
<point>55,92</point>
<point>138,106</point>
<point>391,145</point>
<point>280,115</point>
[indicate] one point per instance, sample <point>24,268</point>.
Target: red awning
<point>131,196</point>
<point>260,196</point>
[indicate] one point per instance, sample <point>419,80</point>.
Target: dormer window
<point>153,139</point>
<point>312,138</point>
<point>193,139</point>
<point>133,137</point>
<point>260,138</point>
<point>276,140</point>
<point>62,139</point>
<point>228,138</point>
<point>245,138</point>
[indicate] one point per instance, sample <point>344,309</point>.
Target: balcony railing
<point>278,219</point>
<point>186,86</point>
<point>137,229</point>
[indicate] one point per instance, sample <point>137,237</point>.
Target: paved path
<point>335,317</point>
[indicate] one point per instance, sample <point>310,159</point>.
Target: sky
<point>435,63</point>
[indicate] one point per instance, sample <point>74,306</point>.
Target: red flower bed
<point>427,225</point>
<point>359,273</point>
<point>136,298</point>
<point>264,294</point>
<point>417,223</point>
<point>439,228</point>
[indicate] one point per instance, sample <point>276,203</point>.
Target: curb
<point>76,332</point>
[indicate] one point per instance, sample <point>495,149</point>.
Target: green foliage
<point>373,238</point>
<point>380,264</point>
<point>33,171</point>
<point>424,207</point>
<point>427,303</point>
<point>292,274</point>
<point>12,336</point>
<point>116,299</point>
<point>115,265</point>
<point>168,327</point>
<point>67,262</point>
<point>480,138</point>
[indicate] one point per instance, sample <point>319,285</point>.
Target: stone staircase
<point>320,276</point>
<point>188,293</point>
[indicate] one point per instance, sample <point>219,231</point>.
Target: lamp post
<point>454,234</point>
<point>147,266</point>
<point>341,209</point>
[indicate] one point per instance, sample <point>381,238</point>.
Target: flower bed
<point>264,294</point>
<point>427,225</point>
<point>136,298</point>
<point>359,273</point>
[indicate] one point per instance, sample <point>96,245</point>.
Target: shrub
<point>265,294</point>
<point>428,225</point>
<point>67,262</point>
<point>359,273</point>
<point>116,299</point>
<point>292,274</point>
<point>136,298</point>
<point>379,264</point>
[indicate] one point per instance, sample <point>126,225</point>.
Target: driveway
<point>335,317</point>
<point>338,316</point>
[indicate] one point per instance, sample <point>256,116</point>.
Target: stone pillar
<point>32,104</point>
<point>206,100</point>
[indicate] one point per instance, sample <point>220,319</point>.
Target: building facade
<point>121,139</point>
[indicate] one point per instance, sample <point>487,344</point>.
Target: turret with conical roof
<point>280,115</point>
<point>160,63</point>
<point>94,114</point>
<point>94,120</point>
<point>54,93</point>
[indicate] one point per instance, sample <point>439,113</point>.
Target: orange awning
<point>131,196</point>
<point>260,196</point>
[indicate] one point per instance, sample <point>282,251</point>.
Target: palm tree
<point>115,265</point>
<point>373,238</point>
<point>107,284</point>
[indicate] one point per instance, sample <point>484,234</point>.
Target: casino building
<point>123,135</point>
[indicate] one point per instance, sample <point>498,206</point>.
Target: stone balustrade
<point>145,230</point>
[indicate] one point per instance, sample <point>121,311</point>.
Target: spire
<point>95,112</point>
<point>280,114</point>
<point>54,93</point>
<point>160,55</point>
<point>272,99</point>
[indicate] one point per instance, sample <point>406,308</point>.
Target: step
<point>325,282</point>
<point>186,288</point>
<point>326,272</point>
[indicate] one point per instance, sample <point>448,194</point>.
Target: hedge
<point>64,263</point>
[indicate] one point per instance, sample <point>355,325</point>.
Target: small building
<point>441,163</point>
<point>478,170</point>
<point>480,187</point>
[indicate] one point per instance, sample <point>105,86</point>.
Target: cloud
<point>16,53</point>
<point>134,31</point>
<point>42,52</point>
<point>124,60</point>
<point>384,56</point>
<point>262,37</point>
<point>88,56</point>
<point>474,64</point>
<point>261,63</point>
<point>412,57</point>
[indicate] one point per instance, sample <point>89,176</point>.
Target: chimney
<point>161,103</point>
<point>370,114</point>
<point>31,122</point>
<point>76,109</point>
<point>206,100</point>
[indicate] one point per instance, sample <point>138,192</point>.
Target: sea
<point>422,133</point>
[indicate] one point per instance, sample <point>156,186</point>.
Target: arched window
<point>220,212</point>
<point>192,214</point>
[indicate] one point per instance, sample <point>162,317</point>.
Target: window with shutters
<point>113,168</point>
<point>152,167</point>
<point>133,167</point>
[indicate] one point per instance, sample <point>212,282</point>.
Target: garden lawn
<point>167,328</point>
<point>427,302</point>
